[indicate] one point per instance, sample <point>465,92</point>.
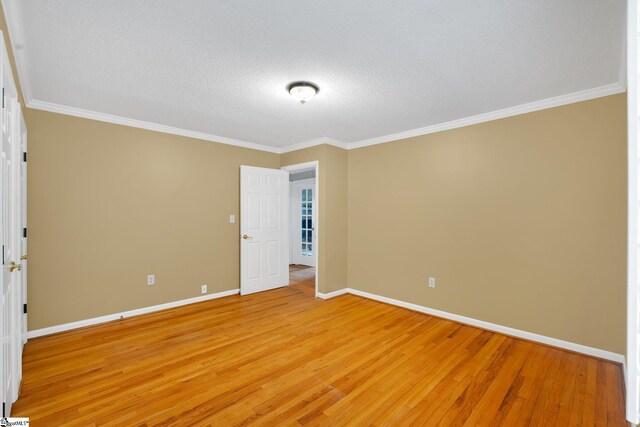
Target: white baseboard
<point>332,294</point>
<point>109,317</point>
<point>579,348</point>
<point>591,351</point>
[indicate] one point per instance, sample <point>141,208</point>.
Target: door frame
<point>302,167</point>
<point>294,212</point>
<point>632,368</point>
<point>23,240</point>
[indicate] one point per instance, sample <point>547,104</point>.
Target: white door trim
<point>313,165</point>
<point>303,181</point>
<point>23,190</point>
<point>632,374</point>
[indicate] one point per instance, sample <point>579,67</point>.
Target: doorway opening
<point>303,227</point>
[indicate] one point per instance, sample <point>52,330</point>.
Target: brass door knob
<point>246,237</point>
<point>14,266</point>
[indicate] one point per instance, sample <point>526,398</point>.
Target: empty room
<point>323,213</point>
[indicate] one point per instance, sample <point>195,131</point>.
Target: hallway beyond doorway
<point>303,278</point>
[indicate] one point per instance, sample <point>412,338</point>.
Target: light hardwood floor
<point>285,358</point>
<point>303,278</point>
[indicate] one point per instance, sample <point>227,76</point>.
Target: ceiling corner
<point>17,41</point>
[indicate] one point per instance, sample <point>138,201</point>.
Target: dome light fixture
<point>303,91</point>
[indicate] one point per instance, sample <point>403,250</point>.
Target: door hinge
<point>2,97</point>
<point>24,232</point>
<point>24,156</point>
<point>4,409</point>
<point>2,254</point>
<point>24,308</point>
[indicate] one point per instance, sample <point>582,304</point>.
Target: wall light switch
<point>232,219</point>
<point>432,282</point>
<point>151,279</point>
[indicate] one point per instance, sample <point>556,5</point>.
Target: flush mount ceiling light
<point>303,91</point>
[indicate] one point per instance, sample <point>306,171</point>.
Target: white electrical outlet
<point>432,282</point>
<point>151,279</point>
<point>204,289</point>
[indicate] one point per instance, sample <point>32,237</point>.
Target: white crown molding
<point>17,40</point>
<point>117,316</point>
<point>517,333</point>
<point>314,142</point>
<point>557,101</point>
<point>94,115</point>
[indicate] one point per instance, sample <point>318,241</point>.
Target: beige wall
<point>110,204</point>
<point>332,228</point>
<point>521,220</point>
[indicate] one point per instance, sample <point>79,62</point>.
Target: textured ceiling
<point>221,67</point>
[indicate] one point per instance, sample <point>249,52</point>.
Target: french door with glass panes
<point>303,219</point>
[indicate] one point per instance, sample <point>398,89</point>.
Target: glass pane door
<point>306,229</point>
<point>303,222</point>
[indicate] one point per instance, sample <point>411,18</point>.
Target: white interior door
<point>264,244</point>
<point>303,200</point>
<point>10,237</point>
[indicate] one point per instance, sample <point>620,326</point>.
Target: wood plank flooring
<point>285,358</point>
<point>303,278</point>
